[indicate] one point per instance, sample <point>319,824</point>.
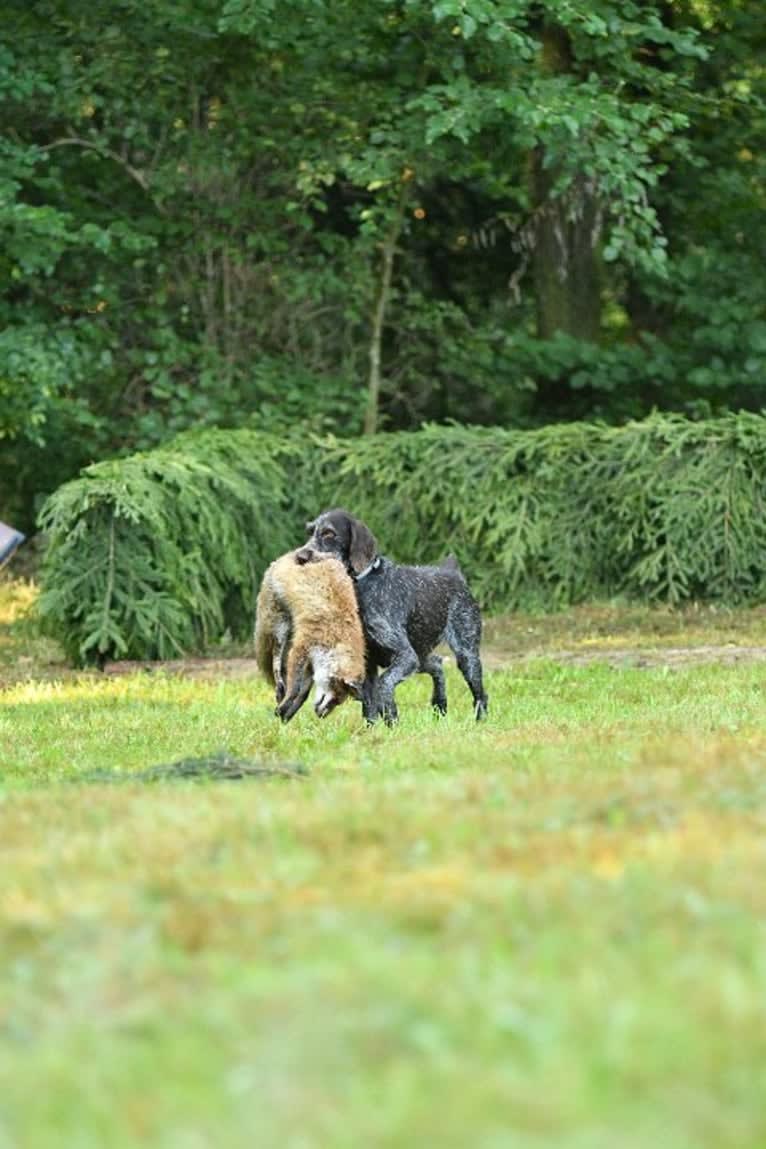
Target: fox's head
<point>332,693</point>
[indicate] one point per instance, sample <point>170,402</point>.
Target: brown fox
<point>307,629</point>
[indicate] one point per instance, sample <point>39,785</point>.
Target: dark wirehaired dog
<point>406,612</point>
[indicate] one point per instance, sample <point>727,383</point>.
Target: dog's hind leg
<point>433,664</point>
<point>463,635</point>
<point>469,664</point>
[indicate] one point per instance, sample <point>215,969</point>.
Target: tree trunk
<point>379,317</point>
<point>564,255</point>
<point>564,260</point>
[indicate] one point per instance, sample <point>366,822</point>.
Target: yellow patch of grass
<point>17,598</point>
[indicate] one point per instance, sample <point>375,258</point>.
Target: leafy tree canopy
<point>504,211</point>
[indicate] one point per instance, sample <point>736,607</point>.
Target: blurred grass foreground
<point>546,930</point>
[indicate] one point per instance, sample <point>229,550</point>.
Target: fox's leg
<point>298,685</point>
<point>279,653</point>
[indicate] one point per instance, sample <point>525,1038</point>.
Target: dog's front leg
<point>370,709</point>
<point>404,663</point>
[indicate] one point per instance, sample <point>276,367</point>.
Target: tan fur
<point>307,629</point>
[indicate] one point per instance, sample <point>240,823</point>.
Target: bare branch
<point>107,153</point>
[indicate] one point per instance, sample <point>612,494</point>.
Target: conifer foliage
<point>161,553</point>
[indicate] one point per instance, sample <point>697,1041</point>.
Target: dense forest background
<point>367,214</point>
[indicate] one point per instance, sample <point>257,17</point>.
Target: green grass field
<point>549,930</point>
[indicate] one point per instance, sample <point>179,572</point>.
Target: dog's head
<point>339,534</point>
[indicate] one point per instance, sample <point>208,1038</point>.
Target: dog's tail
<point>450,564</point>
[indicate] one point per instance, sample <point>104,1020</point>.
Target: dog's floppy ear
<point>362,547</point>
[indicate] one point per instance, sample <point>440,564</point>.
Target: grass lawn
<point>548,930</point>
